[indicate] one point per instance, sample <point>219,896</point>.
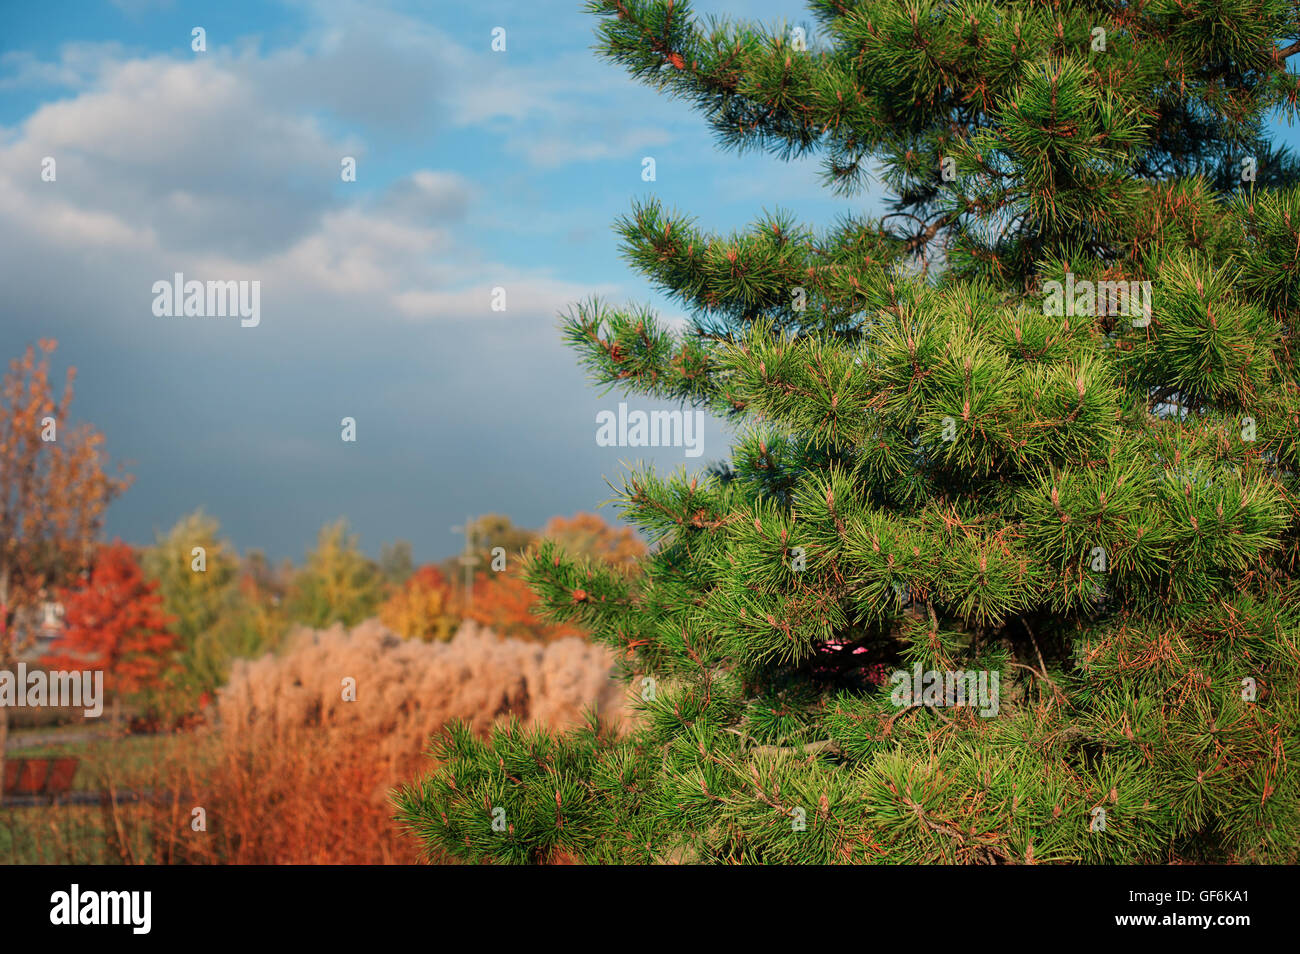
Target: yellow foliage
<point>421,609</point>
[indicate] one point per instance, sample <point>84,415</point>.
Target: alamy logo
<point>73,690</point>
<point>652,429</point>
<point>134,908</point>
<point>976,688</point>
<point>194,299</point>
<point>1129,299</point>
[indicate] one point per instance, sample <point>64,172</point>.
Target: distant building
<point>36,629</point>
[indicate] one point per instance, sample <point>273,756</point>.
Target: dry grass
<point>295,773</point>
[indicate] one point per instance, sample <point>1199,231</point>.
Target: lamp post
<point>468,559</point>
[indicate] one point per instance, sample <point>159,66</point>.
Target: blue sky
<point>475,169</point>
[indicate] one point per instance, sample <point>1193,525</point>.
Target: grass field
<point>89,834</point>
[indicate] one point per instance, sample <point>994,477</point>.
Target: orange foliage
<point>115,622</point>
<point>53,490</point>
<point>504,604</point>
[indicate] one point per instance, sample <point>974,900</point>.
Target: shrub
<point>293,773</point>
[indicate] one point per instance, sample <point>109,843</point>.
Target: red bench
<point>39,776</point>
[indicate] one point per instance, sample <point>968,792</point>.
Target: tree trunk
<point>6,664</point>
<point>4,737</point>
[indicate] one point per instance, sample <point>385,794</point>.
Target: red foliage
<point>115,622</point>
<point>429,576</point>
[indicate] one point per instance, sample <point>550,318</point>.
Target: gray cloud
<point>374,306</point>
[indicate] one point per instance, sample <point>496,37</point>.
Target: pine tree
<point>1037,424</point>
<point>587,534</point>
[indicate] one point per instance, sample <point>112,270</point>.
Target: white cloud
<point>227,166</point>
<point>185,151</point>
<point>627,144</point>
<point>167,166</point>
<point>78,64</point>
<point>527,293</point>
<point>430,194</point>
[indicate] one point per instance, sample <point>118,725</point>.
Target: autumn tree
<point>53,494</point>
<point>339,584</point>
<point>195,571</point>
<point>224,610</point>
<point>500,599</point>
<point>252,623</point>
<point>504,603</point>
<point>273,582</point>
<point>395,562</point>
<point>420,608</point>
<point>114,621</point>
<point>492,538</point>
